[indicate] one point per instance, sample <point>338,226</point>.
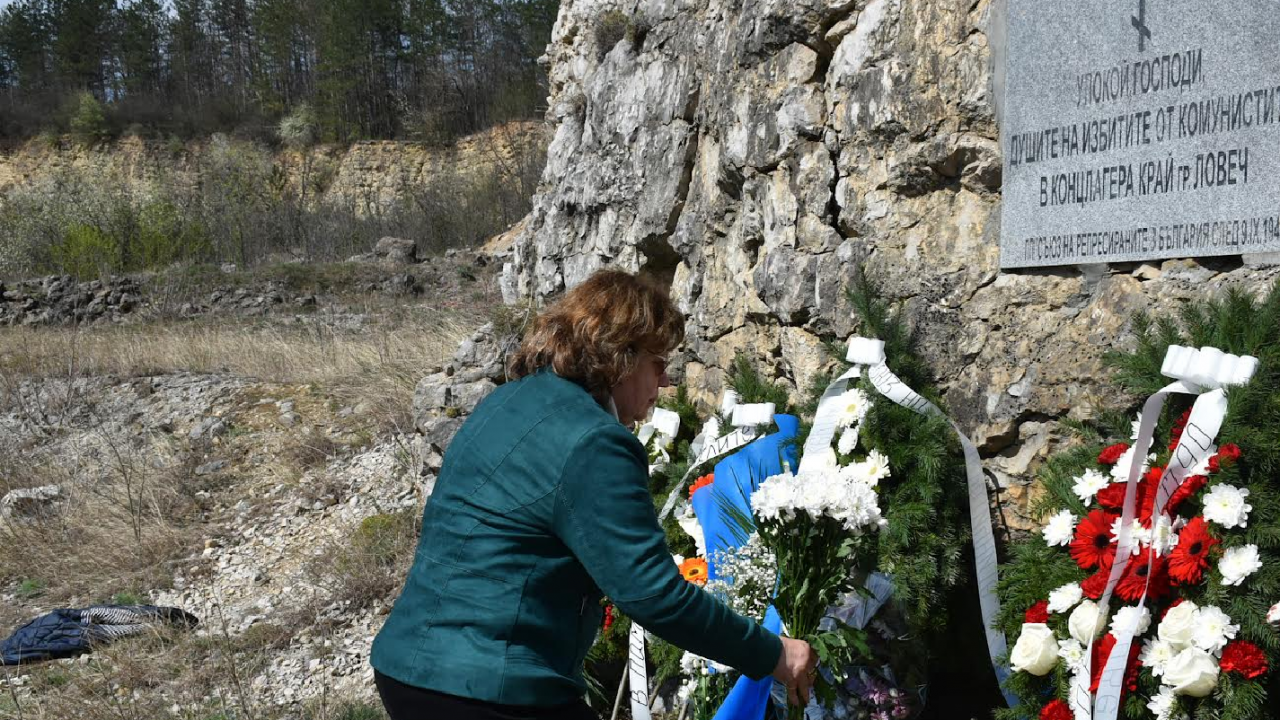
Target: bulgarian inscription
<point>1140,129</point>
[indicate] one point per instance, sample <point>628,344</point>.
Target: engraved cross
<point>1140,24</point>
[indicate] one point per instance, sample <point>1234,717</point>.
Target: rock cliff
<point>754,152</point>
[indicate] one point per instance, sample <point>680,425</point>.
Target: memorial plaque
<point>1140,129</point>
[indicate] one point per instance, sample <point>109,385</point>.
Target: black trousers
<point>406,702</point>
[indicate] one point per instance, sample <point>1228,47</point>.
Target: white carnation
<point>848,440</point>
<point>1088,485</point>
<point>1065,598</point>
<point>1238,563</point>
<point>1225,505</point>
<point>1060,528</point>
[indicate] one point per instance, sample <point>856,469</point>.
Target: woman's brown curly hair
<point>595,333</point>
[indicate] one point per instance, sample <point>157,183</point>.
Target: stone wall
<point>755,152</point>
<point>366,175</point>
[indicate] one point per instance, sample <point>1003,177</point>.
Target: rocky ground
<point>272,493</point>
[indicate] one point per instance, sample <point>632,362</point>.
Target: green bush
<point>86,252</point>
<point>611,27</point>
<point>384,538</point>
<point>88,121</point>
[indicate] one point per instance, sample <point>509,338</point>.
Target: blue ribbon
<point>736,478</point>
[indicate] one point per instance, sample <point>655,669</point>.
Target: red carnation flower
<point>1228,454</point>
<point>1181,422</point>
<point>1111,497</point>
<point>1038,613</point>
<point>1189,487</point>
<point>608,617</point>
<point>1190,557</point>
<point>1092,544</point>
<point>1056,710</point>
<point>1112,453</point>
<point>1134,580</point>
<point>1093,586</point>
<point>1243,658</point>
<point>1102,650</point>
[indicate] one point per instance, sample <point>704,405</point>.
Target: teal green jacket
<point>542,505</point>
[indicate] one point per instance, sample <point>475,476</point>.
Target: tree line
<point>337,70</point>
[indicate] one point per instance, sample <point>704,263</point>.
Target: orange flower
<point>700,483</point>
<point>694,570</point>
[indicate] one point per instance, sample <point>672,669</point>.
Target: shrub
<point>86,252</point>
<point>611,27</point>
<point>299,129</point>
<point>88,121</point>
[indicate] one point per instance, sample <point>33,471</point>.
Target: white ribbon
<point>870,352</point>
<point>639,674</point>
<point>1194,371</point>
<point>751,416</point>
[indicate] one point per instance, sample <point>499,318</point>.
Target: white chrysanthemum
<point>1139,536</point>
<point>1213,629</point>
<point>1225,505</point>
<point>848,440</point>
<point>1238,563</point>
<point>852,503</point>
<point>1157,653</point>
<point>1130,620</point>
<point>1162,704</point>
<point>1120,471</point>
<point>1088,485</point>
<point>1060,528</point>
<point>1164,536</point>
<point>852,406</point>
<point>1065,598</point>
<point>1072,653</point>
<point>1137,423</point>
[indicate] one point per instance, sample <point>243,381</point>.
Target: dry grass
<point>379,366</point>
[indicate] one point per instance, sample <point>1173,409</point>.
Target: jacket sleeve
<point>604,514</point>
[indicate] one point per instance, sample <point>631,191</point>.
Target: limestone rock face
<point>754,152</point>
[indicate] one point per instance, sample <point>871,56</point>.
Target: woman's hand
<point>796,667</point>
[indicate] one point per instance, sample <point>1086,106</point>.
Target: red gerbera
<point>1112,453</point>
<point>1056,710</point>
<point>1243,658</point>
<point>1038,613</point>
<point>1189,487</point>
<point>1145,501</point>
<point>1190,557</point>
<point>1102,650</point>
<point>1134,580</point>
<point>1093,586</point>
<point>1092,544</point>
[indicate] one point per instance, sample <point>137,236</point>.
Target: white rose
<point>1065,598</point>
<point>1179,625</point>
<point>1086,622</point>
<point>1131,620</point>
<point>1191,672</point>
<point>1036,651</point>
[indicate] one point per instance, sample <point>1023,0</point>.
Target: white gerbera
<point>852,406</point>
<point>1225,505</point>
<point>1238,563</point>
<point>1088,485</point>
<point>1060,528</point>
<point>1065,598</point>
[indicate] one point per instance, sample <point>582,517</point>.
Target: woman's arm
<point>604,513</point>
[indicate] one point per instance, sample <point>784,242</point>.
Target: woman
<point>542,505</point>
